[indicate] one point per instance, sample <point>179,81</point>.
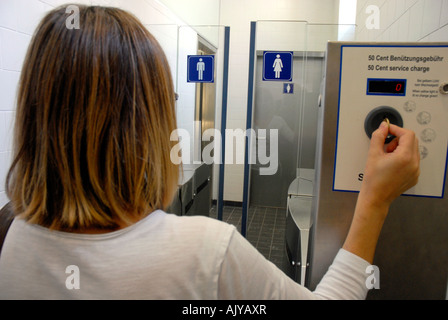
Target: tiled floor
<point>265,229</point>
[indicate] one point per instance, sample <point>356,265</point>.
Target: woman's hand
<point>390,171</point>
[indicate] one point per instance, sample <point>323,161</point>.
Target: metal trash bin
<point>202,188</point>
<point>193,195</point>
<point>175,207</point>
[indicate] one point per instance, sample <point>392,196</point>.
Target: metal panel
<point>412,253</point>
<point>225,88</point>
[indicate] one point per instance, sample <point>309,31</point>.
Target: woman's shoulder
<point>186,227</point>
<point>199,225</point>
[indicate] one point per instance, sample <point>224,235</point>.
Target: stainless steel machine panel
<point>412,253</point>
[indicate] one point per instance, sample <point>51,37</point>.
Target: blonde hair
<point>94,116</point>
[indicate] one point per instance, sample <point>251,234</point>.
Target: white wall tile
<point>22,15</point>
<point>3,199</point>
<point>14,47</point>
<point>410,3</point>
<point>394,32</point>
<point>403,27</point>
<point>233,191</point>
<point>106,3</point>
<point>57,3</point>
<point>29,14</point>
<point>5,163</point>
<point>431,16</point>
<point>138,7</point>
<point>1,50</point>
<point>400,8</point>
<point>6,130</point>
<point>440,35</point>
<point>416,20</point>
<point>388,14</point>
<point>8,89</point>
<point>8,14</point>
<point>413,20</point>
<point>444,13</point>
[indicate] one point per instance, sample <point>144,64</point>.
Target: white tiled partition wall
<point>18,20</point>
<point>404,20</point>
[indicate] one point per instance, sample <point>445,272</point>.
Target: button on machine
<point>378,115</point>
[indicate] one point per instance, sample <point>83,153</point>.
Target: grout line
<point>261,228</point>
<point>272,233</point>
<point>252,218</point>
<point>427,35</point>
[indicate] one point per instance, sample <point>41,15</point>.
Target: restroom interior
<point>417,20</point>
<point>196,27</point>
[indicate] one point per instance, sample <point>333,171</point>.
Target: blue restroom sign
<point>277,65</point>
<point>201,69</point>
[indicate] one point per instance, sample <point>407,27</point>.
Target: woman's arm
<point>390,171</point>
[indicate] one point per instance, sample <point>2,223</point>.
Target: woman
<point>92,175</point>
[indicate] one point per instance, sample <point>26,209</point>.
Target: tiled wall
<point>405,20</point>
<point>18,20</point>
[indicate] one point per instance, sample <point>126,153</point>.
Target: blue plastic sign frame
<point>201,68</point>
<point>277,65</point>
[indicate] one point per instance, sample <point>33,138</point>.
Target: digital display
<point>386,87</point>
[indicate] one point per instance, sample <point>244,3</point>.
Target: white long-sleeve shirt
<point>163,256</point>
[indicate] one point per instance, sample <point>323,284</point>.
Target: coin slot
<point>378,115</point>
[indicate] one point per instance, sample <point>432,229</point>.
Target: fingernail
<point>384,124</point>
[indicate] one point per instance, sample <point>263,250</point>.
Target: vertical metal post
<point>225,88</point>
<point>250,101</point>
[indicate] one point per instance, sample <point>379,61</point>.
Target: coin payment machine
<point>366,83</point>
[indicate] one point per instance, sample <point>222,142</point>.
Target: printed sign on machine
<point>409,86</point>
